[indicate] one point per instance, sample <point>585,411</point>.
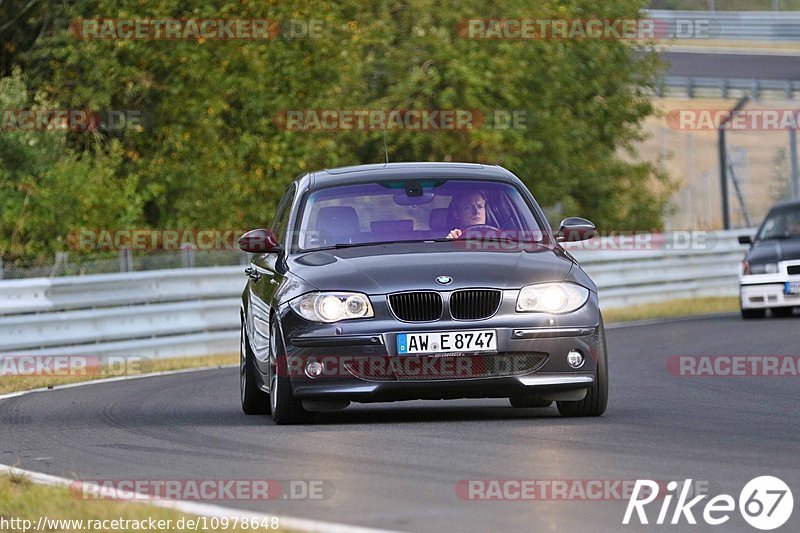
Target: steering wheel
<point>482,227</point>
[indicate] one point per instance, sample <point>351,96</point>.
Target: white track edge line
<point>115,378</point>
<point>194,508</point>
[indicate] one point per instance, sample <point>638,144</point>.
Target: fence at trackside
<point>170,313</point>
<point>774,26</point>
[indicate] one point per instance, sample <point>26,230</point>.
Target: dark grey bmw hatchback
<point>410,281</point>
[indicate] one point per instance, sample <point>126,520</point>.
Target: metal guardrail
<point>159,313</point>
<point>697,26</point>
<point>632,277</point>
<point>772,26</point>
<point>691,87</point>
<point>169,313</point>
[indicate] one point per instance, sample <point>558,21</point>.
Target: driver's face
<point>472,211</point>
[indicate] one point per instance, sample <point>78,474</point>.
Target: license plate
<point>792,287</point>
<point>447,341</point>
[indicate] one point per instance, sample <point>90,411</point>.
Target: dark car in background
<point>770,276</point>
<point>417,281</point>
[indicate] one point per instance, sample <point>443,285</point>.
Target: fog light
<point>314,369</point>
<point>575,359</point>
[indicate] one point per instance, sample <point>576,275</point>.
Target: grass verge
<point>128,366</point>
<point>23,503</point>
<point>748,46</point>
<point>673,308</point>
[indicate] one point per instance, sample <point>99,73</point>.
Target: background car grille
<point>430,368</point>
<point>794,269</point>
<point>416,306</point>
<point>474,304</point>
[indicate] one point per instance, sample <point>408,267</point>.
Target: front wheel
<point>594,404</point>
<point>753,313</point>
<point>254,400</point>
<point>286,409</point>
<point>782,311</point>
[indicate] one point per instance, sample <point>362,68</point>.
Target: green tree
<point>48,189</point>
<point>209,152</point>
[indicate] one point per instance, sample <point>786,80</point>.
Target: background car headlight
<point>552,298</point>
<point>764,268</point>
<point>332,306</point>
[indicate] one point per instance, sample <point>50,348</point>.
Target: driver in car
<point>793,228</point>
<point>467,209</point>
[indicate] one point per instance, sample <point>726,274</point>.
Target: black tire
<point>596,400</point>
<point>286,409</point>
<point>528,400</point>
<point>254,400</point>
<point>782,312</point>
<point>753,313</point>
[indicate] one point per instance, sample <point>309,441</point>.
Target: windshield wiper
<point>378,243</point>
<point>340,245</point>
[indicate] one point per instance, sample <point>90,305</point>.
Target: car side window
<point>281,221</point>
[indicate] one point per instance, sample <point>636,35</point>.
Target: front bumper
<point>520,337</point>
<point>761,291</point>
<point>545,385</point>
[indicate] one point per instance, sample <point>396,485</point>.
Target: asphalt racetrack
<point>396,466</point>
<point>754,66</point>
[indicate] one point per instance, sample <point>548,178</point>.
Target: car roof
<point>369,173</point>
<point>786,205</point>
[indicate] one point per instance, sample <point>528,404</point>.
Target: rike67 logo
<point>765,503</point>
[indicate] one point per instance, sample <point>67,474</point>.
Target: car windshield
<point>415,210</point>
<point>784,224</point>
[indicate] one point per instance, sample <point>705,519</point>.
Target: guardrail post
<point>1,268</point>
<point>125,260</point>
<point>60,263</point>
<point>187,255</point>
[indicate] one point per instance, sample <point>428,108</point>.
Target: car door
<point>266,276</point>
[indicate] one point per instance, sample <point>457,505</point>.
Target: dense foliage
<point>208,151</point>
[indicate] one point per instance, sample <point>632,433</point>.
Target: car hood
<point>389,268</point>
<point>774,250</point>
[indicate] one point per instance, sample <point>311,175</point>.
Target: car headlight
<point>551,298</point>
<point>764,268</point>
<point>332,306</point>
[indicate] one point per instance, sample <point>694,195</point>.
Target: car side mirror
<point>745,239</point>
<point>575,229</point>
<point>259,241</point>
